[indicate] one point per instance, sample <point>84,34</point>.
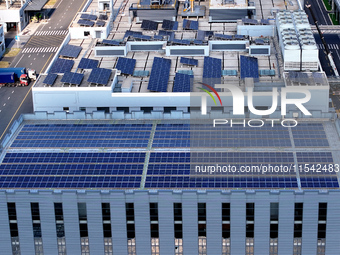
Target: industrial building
<point>118,159</point>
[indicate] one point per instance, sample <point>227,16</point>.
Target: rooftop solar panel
<point>72,78</point>
<point>259,41</point>
<point>249,67</point>
<point>149,25</point>
<point>100,23</point>
<point>265,21</point>
<point>50,79</point>
<point>178,41</point>
<point>71,51</point>
<point>132,33</point>
<point>198,42</point>
<point>92,17</point>
<point>159,76</point>
<point>62,66</point>
<point>169,25</point>
<point>158,37</point>
<point>86,63</point>
<point>142,37</point>
<point>239,36</point>
<point>189,61</point>
<point>212,68</point>
<point>84,22</point>
<point>110,42</point>
<point>222,36</point>
<point>183,82</point>
<point>200,35</point>
<point>126,65</point>
<point>190,24</point>
<point>103,17</point>
<point>170,34</point>
<point>99,76</point>
<point>84,16</point>
<point>249,21</point>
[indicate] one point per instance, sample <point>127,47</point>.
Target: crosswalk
<point>330,46</point>
<point>40,49</point>
<point>51,32</point>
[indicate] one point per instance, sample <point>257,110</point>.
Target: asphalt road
<point>333,42</point>
<point>36,54</point>
<point>319,11</point>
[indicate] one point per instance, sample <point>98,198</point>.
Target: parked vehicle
<point>17,76</point>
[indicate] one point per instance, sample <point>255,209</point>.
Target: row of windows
<point>154,227</point>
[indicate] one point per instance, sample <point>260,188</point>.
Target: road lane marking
<point>19,60</point>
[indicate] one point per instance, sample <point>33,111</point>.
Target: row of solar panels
<point>89,23</point>
<point>169,25</point>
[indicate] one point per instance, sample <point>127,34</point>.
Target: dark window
<point>321,231</point>
<point>60,230</point>
<point>202,230</point>
<point>12,213</point>
<point>86,33</point>
<point>35,211</point>
<point>66,109</point>
<point>130,212</point>
<point>274,230</point>
<point>274,211</point>
<point>58,211</point>
<point>107,230</point>
<point>146,109</point>
<point>178,231</point>
<point>104,109</point>
<point>124,109</point>
<point>82,211</point>
<point>153,212</point>
<point>250,211</point>
<point>297,230</point>
<point>106,211</point>
<point>83,230</point>
<point>202,212</point>
<point>36,230</point>
<point>154,230</point>
<point>226,230</point>
<point>323,211</point>
<point>130,230</point>
<point>14,229</point>
<point>225,211</point>
<point>169,109</point>
<point>298,212</point>
<point>250,230</point>
<point>178,211</point>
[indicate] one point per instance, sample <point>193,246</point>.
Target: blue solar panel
<point>142,37</point>
<point>250,21</point>
<point>182,82</point>
<point>84,22</point>
<point>110,42</point>
<point>178,41</point>
<point>249,67</point>
<point>310,135</point>
<point>198,42</point>
<point>100,23</point>
<point>159,76</point>
<point>132,33</point>
<point>99,76</point>
<point>62,66</point>
<point>158,37</point>
<point>72,78</point>
<point>170,34</point>
<point>265,21</point>
<point>190,24</point>
<point>86,63</point>
<point>71,51</point>
<point>212,68</point>
<point>169,25</point>
<point>239,37</point>
<point>259,41</point>
<point>200,35</point>
<point>126,65</point>
<point>50,79</point>
<point>222,36</point>
<point>149,25</point>
<point>189,61</point>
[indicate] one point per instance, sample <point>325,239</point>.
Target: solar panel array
<point>170,34</point>
<point>189,61</point>
<point>132,33</point>
<point>249,67</point>
<point>110,42</point>
<point>222,36</point>
<point>212,67</point>
<point>88,16</point>
<point>169,25</point>
<point>99,76</point>
<point>62,66</point>
<point>183,82</point>
<point>239,37</point>
<point>159,76</point>
<point>259,41</point>
<point>175,168</point>
<point>198,42</point>
<point>310,135</point>
<point>72,78</point>
<point>50,79</point>
<point>126,65</point>
<point>100,23</point>
<point>103,17</point>
<point>149,25</point>
<point>86,63</point>
<point>84,22</point>
<point>70,51</point>
<point>264,21</point>
<point>249,21</point>
<point>183,42</point>
<point>190,24</point>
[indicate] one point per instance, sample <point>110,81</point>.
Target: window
<point>250,217</point>
<point>104,109</point>
<point>169,109</point>
<point>13,226</point>
<point>86,33</point>
<point>146,109</point>
<point>59,219</point>
<point>322,229</point>
<point>106,214</point>
<point>36,228</point>
<point>250,211</point>
<point>130,227</point>
<point>298,212</point>
<point>274,211</point>
<point>274,228</point>
<point>84,236</point>
<point>124,109</point>
<point>66,109</point>
<point>178,228</point>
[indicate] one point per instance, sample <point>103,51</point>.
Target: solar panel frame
<point>86,22</point>
<point>183,82</point>
<point>72,78</point>
<point>99,76</point>
<point>149,25</point>
<point>62,66</point>
<point>169,25</point>
<point>71,51</point>
<point>212,67</point>
<point>190,24</point>
<point>110,42</point>
<point>86,63</point>
<point>222,36</point>
<point>100,23</point>
<point>183,42</point>
<point>103,17</point>
<point>189,61</point>
<point>50,79</point>
<point>239,37</point>
<point>126,65</point>
<point>159,76</point>
<point>249,67</point>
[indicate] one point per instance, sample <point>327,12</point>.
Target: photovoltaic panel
<point>100,23</point>
<point>126,65</point>
<point>212,68</point>
<point>259,41</point>
<point>99,76</point>
<point>222,36</point>
<point>84,22</point>
<point>132,33</point>
<point>264,21</point>
<point>142,37</point>
<point>149,25</point>
<point>190,24</point>
<point>183,42</point>
<point>84,16</point>
<point>170,34</point>
<point>200,35</point>
<point>182,82</point>
<point>103,17</point>
<point>198,42</point>
<point>50,79</point>
<point>169,25</point>
<point>249,67</point>
<point>189,61</point>
<point>71,51</point>
<point>72,78</point>
<point>249,21</point>
<point>86,63</point>
<point>110,42</point>
<point>62,66</point>
<point>92,17</point>
<point>239,37</point>
<point>158,37</point>
<point>159,76</point>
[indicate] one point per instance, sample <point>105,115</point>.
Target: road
<point>36,54</point>
<point>319,11</point>
<point>333,42</point>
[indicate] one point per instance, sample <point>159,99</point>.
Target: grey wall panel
<point>48,227</point>
<point>333,223</point>
<point>118,222</point>
<point>71,223</point>
<point>24,217</point>
<point>95,223</point>
<point>310,223</point>
<point>214,223</point>
<point>142,223</point>
<point>5,240</point>
<point>190,223</point>
<point>166,223</point>
<point>286,223</point>
<point>238,223</point>
<point>262,223</point>
<point>110,53</point>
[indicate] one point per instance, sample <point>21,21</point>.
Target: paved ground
<point>38,43</point>
<point>319,11</point>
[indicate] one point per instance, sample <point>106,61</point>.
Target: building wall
<point>165,200</point>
